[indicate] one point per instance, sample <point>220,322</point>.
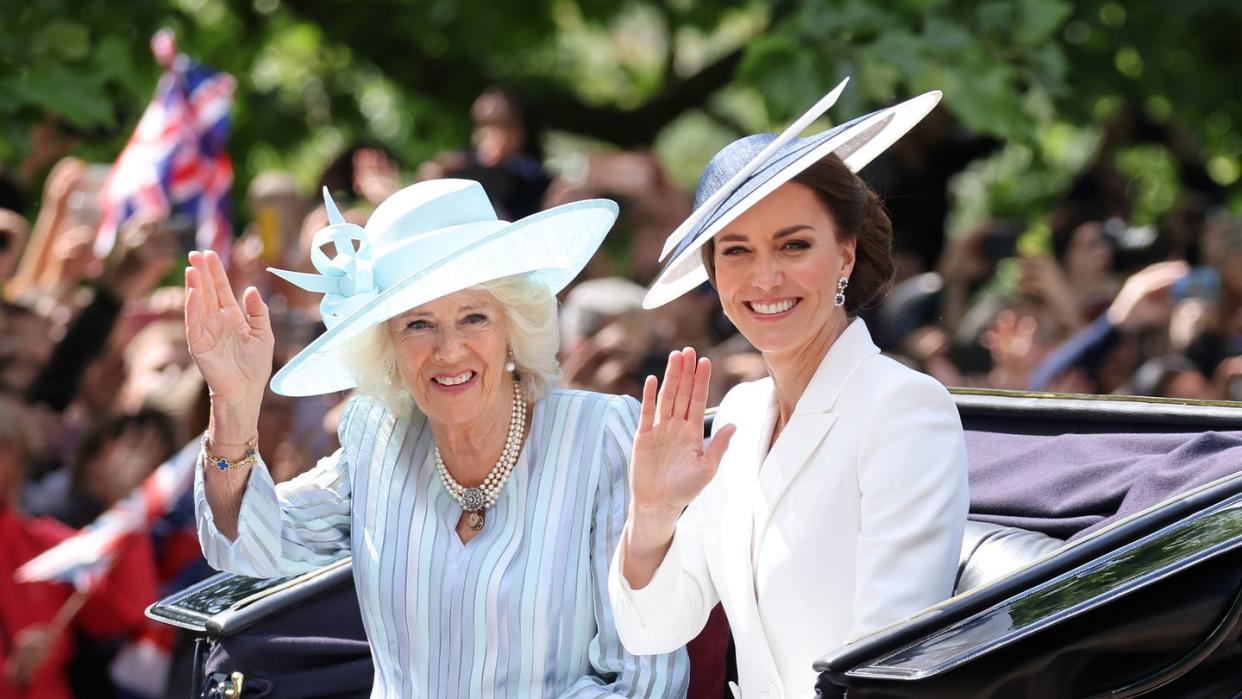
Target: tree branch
<point>456,80</point>
<point>630,128</point>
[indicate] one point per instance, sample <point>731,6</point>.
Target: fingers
<point>668,389</point>
<point>257,316</point>
<point>720,442</point>
<point>224,290</point>
<point>647,413</point>
<point>194,311</point>
<point>685,386</point>
<point>698,399</point>
<point>211,302</point>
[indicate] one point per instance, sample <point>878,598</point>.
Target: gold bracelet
<point>250,459</point>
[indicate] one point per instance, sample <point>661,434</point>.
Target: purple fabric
<point>314,649</point>
<point>1051,477</point>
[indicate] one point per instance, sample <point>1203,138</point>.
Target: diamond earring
<point>840,297</point>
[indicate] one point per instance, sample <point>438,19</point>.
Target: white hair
<point>531,322</point>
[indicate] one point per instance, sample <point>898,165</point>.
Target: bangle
<point>250,459</point>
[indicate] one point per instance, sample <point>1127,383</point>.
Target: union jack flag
<point>86,557</point>
<point>176,161</point>
<point>141,665</point>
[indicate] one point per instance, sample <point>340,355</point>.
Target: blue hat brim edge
<point>685,271</point>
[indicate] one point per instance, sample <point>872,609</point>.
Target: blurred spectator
<point>68,184</point>
<point>1088,257</point>
<point>26,344</point>
<point>1223,252</point>
<point>362,174</point>
<point>114,456</point>
<point>1170,376</point>
<point>593,304</point>
<point>967,264</point>
<point>40,620</point>
<point>1228,379</point>
<point>1102,192</point>
<point>277,211</point>
<point>913,178</point>
<point>143,258</point>
<point>156,361</point>
<point>604,338</point>
<point>1143,303</point>
<point>505,156</point>
<point>651,208</point>
<point>13,233</point>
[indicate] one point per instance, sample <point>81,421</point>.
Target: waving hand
<point>671,464</point>
<point>231,343</point>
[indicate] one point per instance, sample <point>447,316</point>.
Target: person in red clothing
<point>33,649</point>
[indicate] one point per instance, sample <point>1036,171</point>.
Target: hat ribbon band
<point>347,279</point>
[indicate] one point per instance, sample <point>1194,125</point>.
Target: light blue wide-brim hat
<point>426,241</point>
<point>748,169</point>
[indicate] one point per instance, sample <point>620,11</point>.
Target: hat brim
<point>552,245</point>
<point>857,143</point>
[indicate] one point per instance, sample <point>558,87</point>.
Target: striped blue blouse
<point>520,610</point>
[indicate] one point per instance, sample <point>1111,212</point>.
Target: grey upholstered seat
<point>992,551</point>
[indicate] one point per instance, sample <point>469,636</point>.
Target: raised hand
<point>670,464</point>
<point>1144,300</point>
<point>231,343</point>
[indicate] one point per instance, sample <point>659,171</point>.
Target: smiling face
<point>451,353</point>
<point>776,270</point>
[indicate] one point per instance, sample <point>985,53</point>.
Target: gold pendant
<point>474,520</point>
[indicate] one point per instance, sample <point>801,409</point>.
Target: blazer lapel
<point>740,468</point>
<point>792,451</point>
<point>811,421</point>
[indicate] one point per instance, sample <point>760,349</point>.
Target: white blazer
<point>851,521</point>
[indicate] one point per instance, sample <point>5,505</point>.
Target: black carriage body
<point>1148,604</point>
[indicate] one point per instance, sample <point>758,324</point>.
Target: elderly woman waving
<point>480,504</point>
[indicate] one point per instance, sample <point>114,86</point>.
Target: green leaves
<point>314,76</point>
<point>77,98</point>
<point>996,60</point>
<point>785,72</point>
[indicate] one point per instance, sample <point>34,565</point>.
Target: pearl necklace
<point>476,500</point>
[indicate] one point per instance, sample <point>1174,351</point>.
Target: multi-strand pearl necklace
<point>476,500</point>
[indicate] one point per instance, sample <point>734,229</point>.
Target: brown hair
<point>858,214</point>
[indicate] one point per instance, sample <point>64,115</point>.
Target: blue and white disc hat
<point>748,169</point>
<point>428,240</point>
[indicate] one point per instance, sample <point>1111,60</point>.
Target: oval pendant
<point>474,520</point>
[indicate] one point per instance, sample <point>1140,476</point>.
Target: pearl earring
<point>840,297</point>
<point>510,366</point>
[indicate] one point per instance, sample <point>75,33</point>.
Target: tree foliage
<point>314,75</point>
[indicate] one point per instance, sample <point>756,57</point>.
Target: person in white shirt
<point>831,500</point>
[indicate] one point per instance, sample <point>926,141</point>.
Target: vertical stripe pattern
<point>520,610</point>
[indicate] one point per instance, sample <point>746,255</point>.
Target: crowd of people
<point>97,387</point>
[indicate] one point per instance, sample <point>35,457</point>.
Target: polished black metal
<point>1168,674</point>
<point>1152,558</point>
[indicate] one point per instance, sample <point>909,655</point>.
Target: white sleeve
<point>673,607</point>
<point>912,480</point>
